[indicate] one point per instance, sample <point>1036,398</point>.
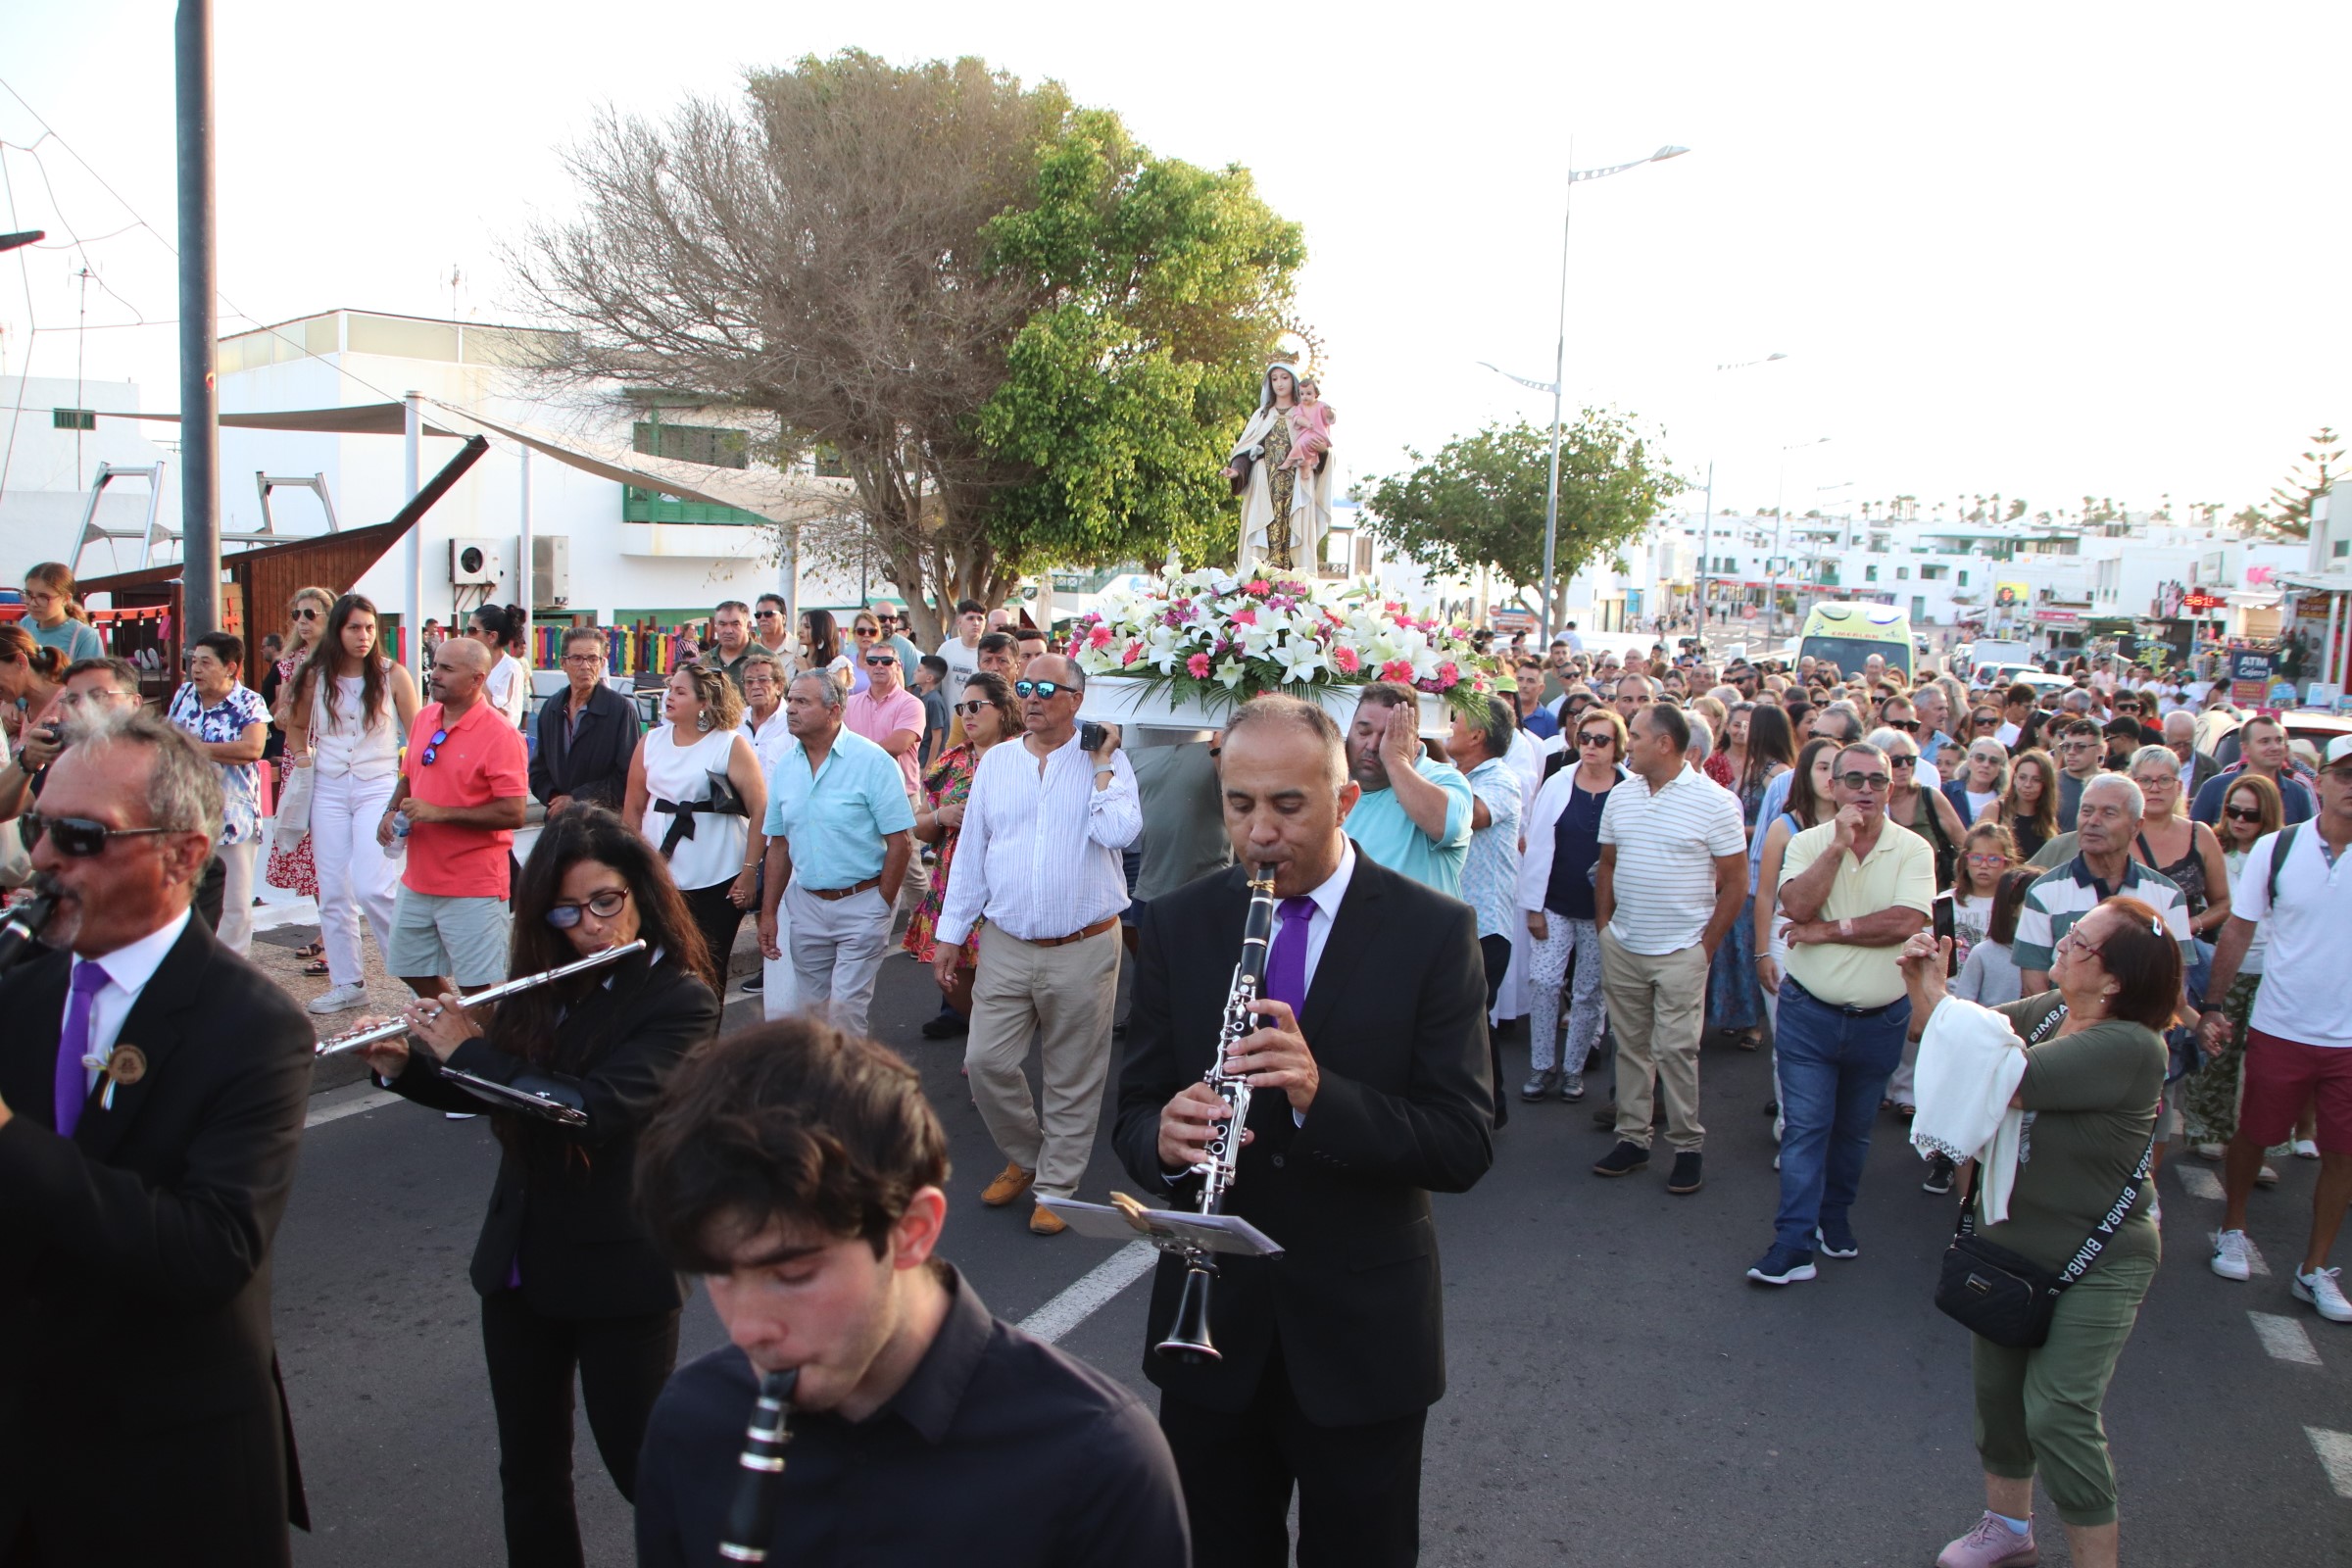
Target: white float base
<point>1126,701</point>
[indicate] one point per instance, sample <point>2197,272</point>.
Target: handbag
<point>1999,1295</point>
<point>293,808</point>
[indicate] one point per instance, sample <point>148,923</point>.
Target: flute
<point>354,1039</point>
<point>752,1511</point>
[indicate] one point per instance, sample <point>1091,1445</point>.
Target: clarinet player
<point>1370,1089</point>
<point>570,1282</point>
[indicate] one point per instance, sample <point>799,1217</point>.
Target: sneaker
<point>1782,1265</point>
<point>2267,1176</point>
<point>1843,1245</point>
<point>1686,1177</point>
<point>459,1116</point>
<point>1540,1085</point>
<point>2307,1149</point>
<point>1572,1086</point>
<point>2321,1289</point>
<point>2229,1258</point>
<point>1990,1544</point>
<point>1939,1179</point>
<point>342,998</point>
<point>753,983</point>
<point>946,1026</point>
<point>1007,1187</point>
<point>2211,1151</point>
<point>1623,1160</point>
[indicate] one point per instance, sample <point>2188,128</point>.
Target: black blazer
<point>594,766</point>
<point>1397,1019</point>
<point>563,1200</point>
<point>140,1413</point>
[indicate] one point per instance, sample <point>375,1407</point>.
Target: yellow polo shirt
<point>1900,871</point>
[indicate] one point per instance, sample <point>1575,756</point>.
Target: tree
<point>2295,498</point>
<point>1020,333</point>
<point>1480,501</point>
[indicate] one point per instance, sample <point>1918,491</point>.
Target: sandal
<point>314,966</point>
<point>1749,1039</point>
<point>314,950</point>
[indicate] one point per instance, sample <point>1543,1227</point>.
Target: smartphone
<point>1946,930</point>
<point>1090,736</point>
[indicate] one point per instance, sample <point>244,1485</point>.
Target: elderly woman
<point>2092,1086</point>
<point>1982,781</point>
<point>989,715</point>
<point>230,723</point>
<point>1555,895</point>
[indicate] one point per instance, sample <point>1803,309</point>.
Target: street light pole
<point>1559,372</point>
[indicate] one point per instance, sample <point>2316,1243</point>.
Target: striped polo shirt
<point>2058,899</point>
<point>1667,841</point>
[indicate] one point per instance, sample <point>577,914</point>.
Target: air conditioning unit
<point>551,571</point>
<point>474,562</point>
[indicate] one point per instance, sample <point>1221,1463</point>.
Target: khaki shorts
<point>461,938</point>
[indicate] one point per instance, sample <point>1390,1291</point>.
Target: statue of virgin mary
<point>1285,509</point>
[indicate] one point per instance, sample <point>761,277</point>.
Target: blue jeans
<point>1834,1072</point>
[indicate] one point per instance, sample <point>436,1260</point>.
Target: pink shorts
<point>2282,1076</point>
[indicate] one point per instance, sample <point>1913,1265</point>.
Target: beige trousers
<point>1063,997</point>
<point>1657,1007</point>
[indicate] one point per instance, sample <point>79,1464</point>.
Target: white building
<point>55,439</point>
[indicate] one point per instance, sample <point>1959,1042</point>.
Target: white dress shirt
<point>129,968</point>
<point>1038,854</point>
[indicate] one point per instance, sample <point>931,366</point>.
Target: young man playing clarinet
<point>798,1170</point>
<point>1370,1089</point>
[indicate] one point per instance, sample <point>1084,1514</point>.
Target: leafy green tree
<point>2296,497</point>
<point>1479,502</point>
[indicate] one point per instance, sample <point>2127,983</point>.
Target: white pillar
<point>522,557</point>
<point>2327,662</point>
<point>412,561</point>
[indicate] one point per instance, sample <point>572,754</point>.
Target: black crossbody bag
<point>2007,1299</point>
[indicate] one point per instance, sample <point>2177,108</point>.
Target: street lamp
<point>1779,529</point>
<point>1706,542</point>
<point>1559,370</point>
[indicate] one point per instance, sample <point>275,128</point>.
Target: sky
<point>2044,251</point>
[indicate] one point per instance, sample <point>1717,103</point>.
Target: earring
<point>702,721</point>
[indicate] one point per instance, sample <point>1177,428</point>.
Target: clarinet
<point>1187,1340</point>
<point>752,1513</point>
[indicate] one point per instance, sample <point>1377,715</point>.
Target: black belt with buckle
<point>1840,1007</point>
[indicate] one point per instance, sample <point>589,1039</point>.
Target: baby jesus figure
<point>1310,428</point>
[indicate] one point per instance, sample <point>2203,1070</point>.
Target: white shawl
<point>1970,1063</point>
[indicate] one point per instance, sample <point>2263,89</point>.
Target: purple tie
<point>1286,965</point>
<point>72,1081</point>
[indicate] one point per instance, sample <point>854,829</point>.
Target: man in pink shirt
<point>462,789</point>
<point>886,712</point>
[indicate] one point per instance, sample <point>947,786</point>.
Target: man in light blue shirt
<point>1414,817</point>
<point>839,837</point>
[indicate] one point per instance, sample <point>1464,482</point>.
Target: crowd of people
<point>1622,858</point>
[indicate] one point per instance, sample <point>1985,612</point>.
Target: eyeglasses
<point>1909,726</point>
<point>432,748</point>
<point>307,612</point>
<point>603,906</point>
<point>971,710</point>
<point>1041,688</point>
<point>2240,813</point>
<point>583,658</point>
<point>1598,738</point>
<point>1858,782</point>
<point>871,660</point>
<point>2073,939</point>
<point>79,837</point>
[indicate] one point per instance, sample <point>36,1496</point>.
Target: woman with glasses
<point>820,648</point>
<point>501,629</point>
<point>2209,1095</point>
<point>55,617</point>
<point>572,1285</point>
<point>1984,778</point>
<point>989,718</point>
<point>1556,893</point>
<point>865,631</point>
<point>346,708</point>
<point>1919,806</point>
<point>1811,802</point>
<point>293,866</point>
<point>697,791</point>
<point>2030,807</point>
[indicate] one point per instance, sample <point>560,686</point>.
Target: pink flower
<point>1197,666</point>
<point>1398,670</point>
<point>1135,651</point>
<point>1097,638</point>
<point>1258,585</point>
<point>1449,673</point>
<point>1246,617</point>
<point>1346,661</point>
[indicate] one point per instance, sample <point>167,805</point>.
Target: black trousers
<point>1359,1487</point>
<point>1497,952</point>
<point>719,919</point>
<point>621,1363</point>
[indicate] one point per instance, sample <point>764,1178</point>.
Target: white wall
<point>46,489</point>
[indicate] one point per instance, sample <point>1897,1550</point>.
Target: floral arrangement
<point>1211,637</point>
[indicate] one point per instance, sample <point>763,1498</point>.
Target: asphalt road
<point>1619,1394</point>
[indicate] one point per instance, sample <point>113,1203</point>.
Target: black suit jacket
<point>594,765</point>
<point>1396,1017</point>
<point>561,1203</point>
<point>140,1413</point>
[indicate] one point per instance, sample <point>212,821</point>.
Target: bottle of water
<point>399,847</point>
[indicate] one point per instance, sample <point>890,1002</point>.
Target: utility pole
<point>199,273</point>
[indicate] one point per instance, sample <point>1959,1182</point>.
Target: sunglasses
<point>432,748</point>
<point>1858,782</point>
<point>971,710</point>
<point>1987,721</point>
<point>79,837</point>
<point>2240,813</point>
<point>1598,738</point>
<point>864,631</point>
<point>1041,688</point>
<point>871,660</point>
<point>768,615</point>
<point>307,612</point>
<point>1902,759</point>
<point>603,906</point>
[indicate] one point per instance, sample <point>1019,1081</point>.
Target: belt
<point>1840,1007</point>
<point>1095,930</point>
<point>836,895</point>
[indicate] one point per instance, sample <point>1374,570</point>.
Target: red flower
<point>1135,651</point>
<point>1398,670</point>
<point>1258,585</point>
<point>1197,666</point>
<point>1098,637</point>
<point>1246,617</point>
<point>1346,661</point>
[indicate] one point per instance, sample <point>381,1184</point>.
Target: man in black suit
<point>1365,1099</point>
<point>152,1093</point>
<point>586,736</point>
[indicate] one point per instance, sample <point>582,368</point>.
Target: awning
<point>360,419</point>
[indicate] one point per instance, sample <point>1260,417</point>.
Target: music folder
<point>1170,1229</point>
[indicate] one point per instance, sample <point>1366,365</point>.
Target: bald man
<point>457,805</point>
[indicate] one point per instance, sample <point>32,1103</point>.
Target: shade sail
<point>360,419</point>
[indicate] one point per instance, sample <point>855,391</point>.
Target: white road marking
<point>1091,1292</point>
<point>2283,1338</point>
<point>2335,1450</point>
<point>2198,1182</point>
<point>2254,1260</point>
<point>337,1106</point>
